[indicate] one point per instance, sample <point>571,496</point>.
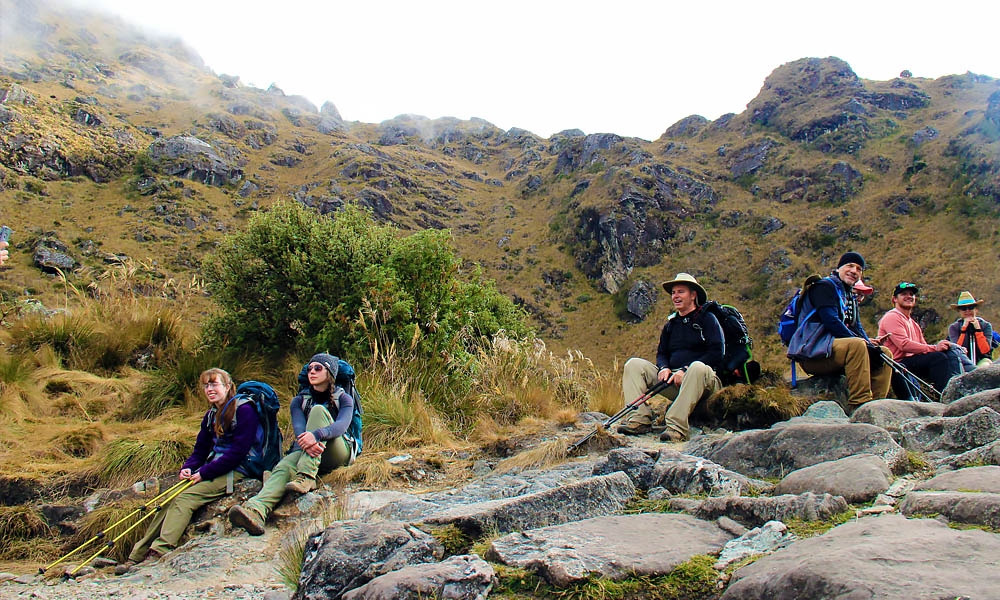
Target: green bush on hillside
<point>295,282</point>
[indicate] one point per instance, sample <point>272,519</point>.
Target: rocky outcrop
<point>195,159</point>
<point>641,299</point>
<point>967,384</point>
<point>456,577</point>
<point>952,434</point>
<point>903,564</point>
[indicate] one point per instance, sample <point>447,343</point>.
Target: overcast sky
<point>621,66</point>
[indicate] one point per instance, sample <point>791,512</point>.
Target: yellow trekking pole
<point>111,544</point>
<point>106,530</point>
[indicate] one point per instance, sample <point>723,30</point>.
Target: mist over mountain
<point>117,144</point>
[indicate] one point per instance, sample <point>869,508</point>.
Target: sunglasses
<point>906,286</point>
<point>967,308</point>
<point>316,368</point>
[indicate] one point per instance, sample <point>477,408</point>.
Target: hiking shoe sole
<point>241,517</point>
<point>634,429</point>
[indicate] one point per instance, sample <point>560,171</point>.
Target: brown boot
<point>301,485</point>
<point>247,519</point>
<point>634,428</point>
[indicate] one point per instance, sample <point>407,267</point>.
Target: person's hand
<point>306,439</point>
<point>195,477</point>
<point>677,377</point>
<point>316,449</point>
<point>3,253</point>
<point>664,374</point>
<point>943,345</point>
<point>972,321</point>
<point>185,474</point>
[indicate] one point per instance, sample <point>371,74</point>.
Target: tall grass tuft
<point>291,556</point>
<point>371,471</point>
<point>101,518</point>
<point>80,442</point>
<point>19,392</point>
<point>127,460</point>
<point>19,528</point>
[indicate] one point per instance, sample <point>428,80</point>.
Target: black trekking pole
<point>908,376</point>
<point>633,405</point>
<point>111,543</point>
<point>107,530</point>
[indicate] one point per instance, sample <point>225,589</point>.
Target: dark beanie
<point>327,360</point>
<point>851,257</point>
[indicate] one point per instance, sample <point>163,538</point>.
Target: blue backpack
<point>266,449</point>
<point>344,379</point>
<point>788,322</point>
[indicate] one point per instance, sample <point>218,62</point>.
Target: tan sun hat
<point>687,279</point>
<point>965,300</point>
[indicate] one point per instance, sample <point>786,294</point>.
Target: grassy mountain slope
<point>904,171</point>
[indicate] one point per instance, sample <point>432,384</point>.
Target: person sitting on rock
<point>227,433</point>
<point>830,309</point>
<point>935,363</point>
<point>320,418</point>
<point>689,353</point>
<point>972,332</point>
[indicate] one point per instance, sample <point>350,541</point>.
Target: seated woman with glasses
<point>226,436</point>
<point>972,332</point>
<point>321,415</point>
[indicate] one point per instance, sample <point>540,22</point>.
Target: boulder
<point>974,508</point>
<point>887,557</point>
<point>971,402</point>
<point>685,474</point>
<point>641,299</point>
<point>777,451</point>
<point>857,478</point>
<point>592,497</point>
<point>613,547</point>
<point>889,414</point>
<point>983,455</point>
<point>458,577</point>
<point>952,434</point>
<point>983,378</point>
<point>754,512</point>
<point>972,479</point>
<point>760,540</point>
<point>352,553</point>
<point>52,256</point>
<point>634,462</point>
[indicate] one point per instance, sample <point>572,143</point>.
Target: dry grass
<point>21,527</point>
<point>371,471</point>
<point>100,519</point>
<point>546,454</point>
<point>79,442</point>
<point>128,459</point>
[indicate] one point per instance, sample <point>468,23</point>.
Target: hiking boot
<point>669,435</point>
<point>152,556</point>
<point>247,519</point>
<point>125,567</point>
<point>301,485</point>
<point>634,428</point>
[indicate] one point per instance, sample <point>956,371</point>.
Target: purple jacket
<point>241,439</point>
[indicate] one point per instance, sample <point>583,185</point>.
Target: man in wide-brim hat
<point>687,358</point>
<point>972,332</point>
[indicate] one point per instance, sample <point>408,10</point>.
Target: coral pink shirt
<point>907,339</point>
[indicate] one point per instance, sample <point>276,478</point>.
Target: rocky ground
<point>916,488</point>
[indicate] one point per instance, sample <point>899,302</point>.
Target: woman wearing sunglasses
<point>972,332</point>
<point>226,436</point>
<point>321,414</point>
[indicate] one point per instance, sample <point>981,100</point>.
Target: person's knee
<point>634,365</point>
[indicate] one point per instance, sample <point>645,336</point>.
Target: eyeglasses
<point>316,368</point>
<point>214,384</point>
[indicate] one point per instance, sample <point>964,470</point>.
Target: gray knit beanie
<point>327,360</point>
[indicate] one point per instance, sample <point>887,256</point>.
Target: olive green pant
<point>299,464</point>
<point>865,381</point>
<point>167,527</point>
<point>700,382</point>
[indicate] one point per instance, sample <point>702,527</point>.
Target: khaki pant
<point>700,382</point>
<point>167,527</point>
<point>850,355</point>
<point>298,463</point>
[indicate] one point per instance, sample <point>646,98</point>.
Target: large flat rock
<point>591,497</point>
<point>973,508</point>
<point>613,547</point>
<point>857,478</point>
<point>970,479</point>
<point>888,557</point>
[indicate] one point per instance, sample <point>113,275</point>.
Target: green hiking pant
<point>699,383</point>
<point>299,464</point>
<point>168,525</point>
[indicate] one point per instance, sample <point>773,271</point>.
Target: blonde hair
<point>223,418</point>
